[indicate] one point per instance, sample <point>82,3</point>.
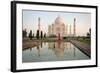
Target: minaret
<point>52,29</point>
<point>39,24</point>
<point>74,29</point>
<point>66,30</point>
<point>49,30</point>
<point>70,29</point>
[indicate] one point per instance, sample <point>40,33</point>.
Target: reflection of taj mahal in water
<point>57,48</point>
<point>59,27</point>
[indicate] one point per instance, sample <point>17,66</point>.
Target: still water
<point>53,51</point>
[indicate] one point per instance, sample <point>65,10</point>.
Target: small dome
<point>59,20</point>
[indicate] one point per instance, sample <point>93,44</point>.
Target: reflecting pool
<point>53,51</point>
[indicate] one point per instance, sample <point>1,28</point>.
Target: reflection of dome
<point>59,20</point>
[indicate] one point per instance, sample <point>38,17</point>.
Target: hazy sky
<point>30,20</point>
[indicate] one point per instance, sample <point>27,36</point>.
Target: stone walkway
<point>85,48</point>
<point>29,44</point>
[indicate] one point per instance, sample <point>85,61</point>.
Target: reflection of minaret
<point>74,30</point>
<point>70,45</point>
<point>38,51</point>
<point>74,52</point>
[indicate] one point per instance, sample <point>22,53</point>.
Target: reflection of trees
<point>41,44</point>
<point>30,49</point>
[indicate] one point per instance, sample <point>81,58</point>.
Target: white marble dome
<point>59,20</point>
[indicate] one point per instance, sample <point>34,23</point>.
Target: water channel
<point>53,51</point>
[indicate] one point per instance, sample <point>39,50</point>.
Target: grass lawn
<point>87,41</point>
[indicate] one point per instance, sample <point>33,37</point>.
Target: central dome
<point>59,20</point>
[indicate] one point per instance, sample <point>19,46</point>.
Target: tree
<point>41,34</point>
<point>37,34</point>
<point>33,35</point>
<point>45,35</point>
<point>52,36</point>
<point>30,35</point>
<point>89,33</point>
<point>24,33</point>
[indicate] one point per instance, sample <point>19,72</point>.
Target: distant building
<point>58,27</point>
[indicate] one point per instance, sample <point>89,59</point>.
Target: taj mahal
<point>59,27</point>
